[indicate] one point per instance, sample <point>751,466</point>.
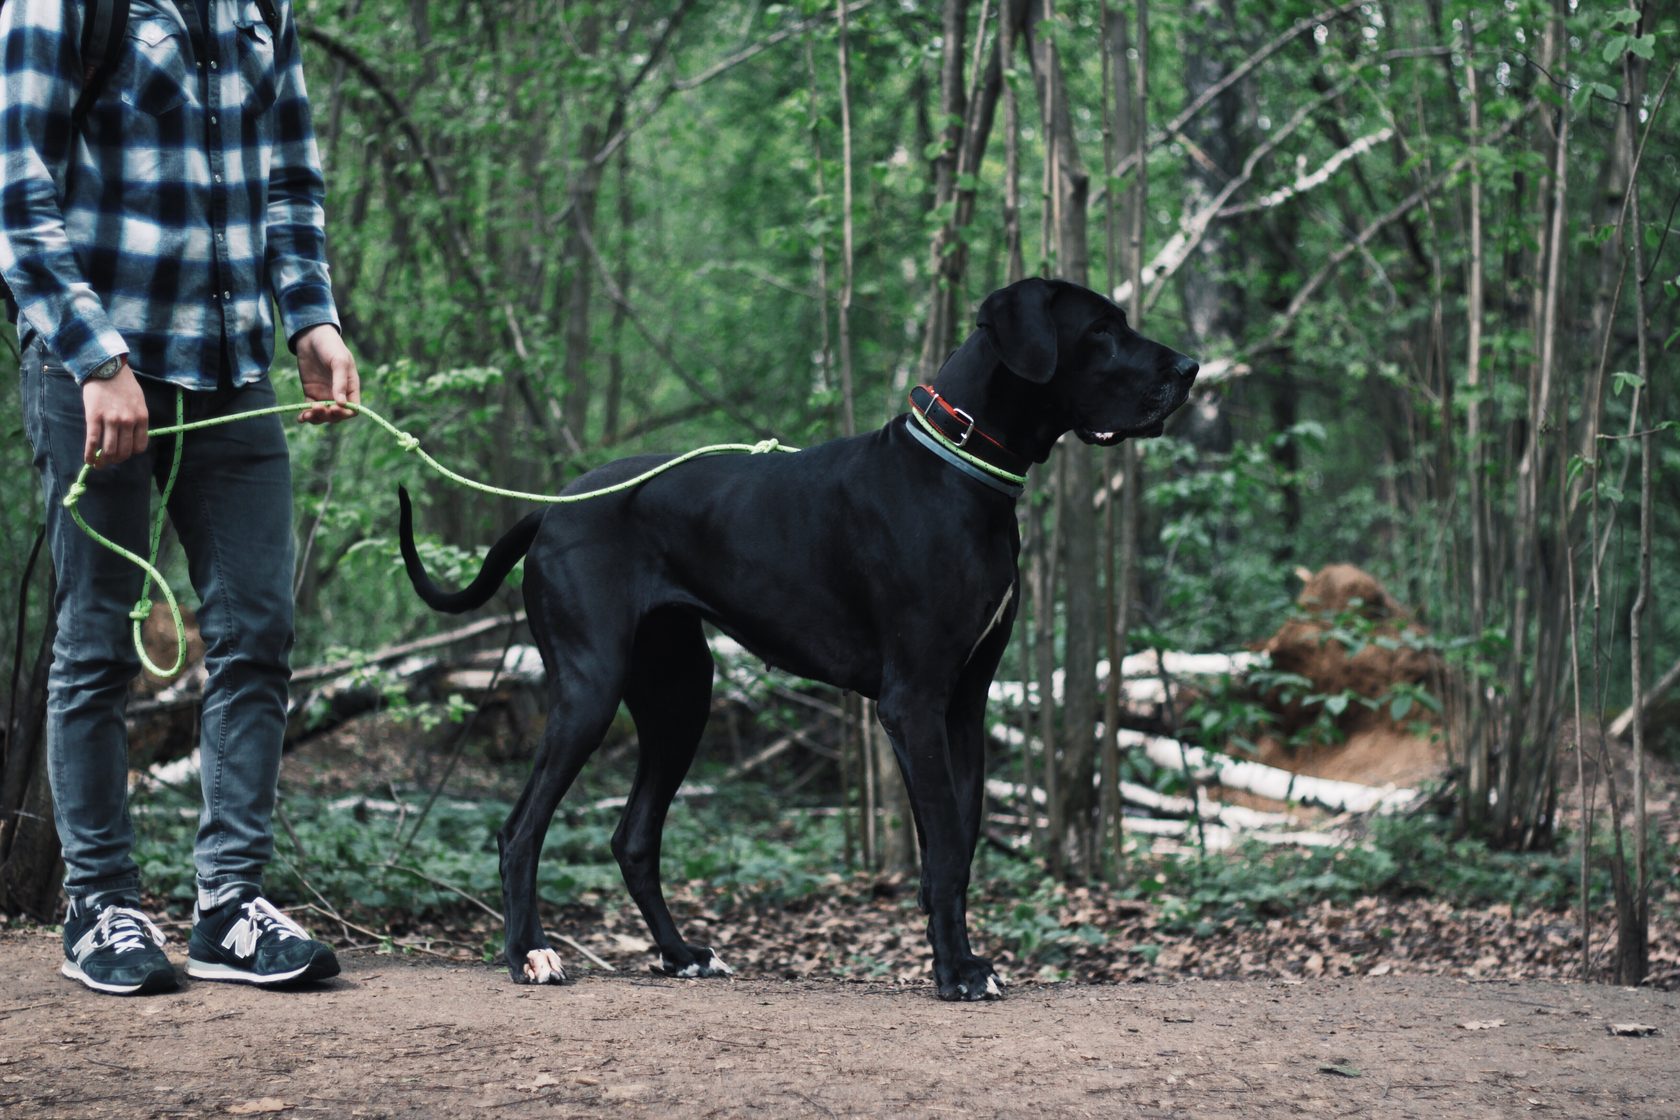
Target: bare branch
<point>1405,206</point>
<point>659,346</point>
<point>1314,179</point>
<point>1174,128</point>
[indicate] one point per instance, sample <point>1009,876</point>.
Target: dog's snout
<point>1186,368</point>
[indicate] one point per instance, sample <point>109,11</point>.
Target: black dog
<point>884,563</point>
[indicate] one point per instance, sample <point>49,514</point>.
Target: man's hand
<point>116,418</point>
<point>329,374</point>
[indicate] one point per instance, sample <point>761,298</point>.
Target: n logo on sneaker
<point>260,916</point>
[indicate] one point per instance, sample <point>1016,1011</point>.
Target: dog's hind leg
<point>669,695</point>
<point>584,691</point>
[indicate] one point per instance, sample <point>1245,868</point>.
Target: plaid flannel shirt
<point>190,196</point>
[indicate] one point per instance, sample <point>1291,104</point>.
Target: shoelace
<point>260,918</point>
<point>120,927</point>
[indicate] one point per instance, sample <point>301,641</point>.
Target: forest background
<point>1422,251</point>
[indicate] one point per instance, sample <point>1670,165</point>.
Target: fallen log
<point>1622,723</point>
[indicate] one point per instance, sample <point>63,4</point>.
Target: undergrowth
<point>742,848</point>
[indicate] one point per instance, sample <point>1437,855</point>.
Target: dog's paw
<point>971,980</point>
<point>542,966</point>
<point>703,962</point>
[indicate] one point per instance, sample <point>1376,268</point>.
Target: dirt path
<point>394,1038</point>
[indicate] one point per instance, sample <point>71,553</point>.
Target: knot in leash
<point>77,489</point>
<point>408,441</point>
<point>142,610</point>
<point>765,445</point>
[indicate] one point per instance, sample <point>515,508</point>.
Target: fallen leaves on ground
<point>867,927</point>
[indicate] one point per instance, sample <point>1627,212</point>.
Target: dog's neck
<point>1008,408</point>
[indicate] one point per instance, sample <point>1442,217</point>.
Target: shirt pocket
<point>256,59</point>
<point>158,80</point>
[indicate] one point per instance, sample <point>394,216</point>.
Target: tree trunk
<point>969,119</point>
<point>1069,191</point>
<point>31,871</point>
<point>1633,921</point>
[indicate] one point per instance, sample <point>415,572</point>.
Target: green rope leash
<point>405,440</point>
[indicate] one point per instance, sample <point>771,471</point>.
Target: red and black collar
<point>961,430</point>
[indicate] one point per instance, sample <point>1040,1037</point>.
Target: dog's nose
<point>1186,368</point>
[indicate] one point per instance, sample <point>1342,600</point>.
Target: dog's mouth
<point>1109,439</point>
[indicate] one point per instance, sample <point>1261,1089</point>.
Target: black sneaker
<point>115,948</point>
<point>246,939</point>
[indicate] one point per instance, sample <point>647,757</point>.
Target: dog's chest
<point>997,617</point>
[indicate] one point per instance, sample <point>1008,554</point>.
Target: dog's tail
<point>500,560</point>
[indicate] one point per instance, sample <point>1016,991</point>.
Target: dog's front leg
<point>918,733</point>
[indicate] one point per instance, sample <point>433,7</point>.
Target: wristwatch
<point>107,369</point>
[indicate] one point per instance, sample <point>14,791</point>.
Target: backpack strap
<point>104,26</point>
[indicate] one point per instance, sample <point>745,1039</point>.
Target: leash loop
<point>405,440</point>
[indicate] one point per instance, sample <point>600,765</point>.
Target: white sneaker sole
<point>316,969</point>
<point>153,983</point>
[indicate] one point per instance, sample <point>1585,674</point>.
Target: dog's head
<point>1105,381</point>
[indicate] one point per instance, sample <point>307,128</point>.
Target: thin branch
<point>1174,128</point>
<point>1313,179</point>
<point>1287,320</point>
<point>659,346</point>
<point>723,66</point>
<point>1193,229</point>
<point>456,239</point>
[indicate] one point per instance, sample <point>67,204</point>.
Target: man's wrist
<point>302,333</point>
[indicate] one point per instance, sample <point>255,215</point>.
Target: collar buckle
<point>961,416</point>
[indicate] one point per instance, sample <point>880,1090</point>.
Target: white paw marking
<point>993,988</point>
<point>713,966</point>
<point>542,966</point>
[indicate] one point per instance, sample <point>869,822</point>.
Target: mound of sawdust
<point>1373,756</point>
<point>1338,602</point>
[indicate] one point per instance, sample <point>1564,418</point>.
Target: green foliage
<point>1401,857</point>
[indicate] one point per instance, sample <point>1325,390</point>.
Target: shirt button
<point>227,295</point>
<point>212,118</point>
<point>212,64</point>
<point>218,178</point>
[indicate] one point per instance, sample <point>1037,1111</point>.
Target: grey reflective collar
<point>961,464</point>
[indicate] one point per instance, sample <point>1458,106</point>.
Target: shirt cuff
<point>306,305</point>
<point>83,351</point>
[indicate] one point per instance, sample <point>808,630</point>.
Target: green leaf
<point>1622,379</point>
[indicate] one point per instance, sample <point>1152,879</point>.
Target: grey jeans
<point>232,512</point>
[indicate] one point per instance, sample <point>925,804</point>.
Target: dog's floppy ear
<point>1019,319</point>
